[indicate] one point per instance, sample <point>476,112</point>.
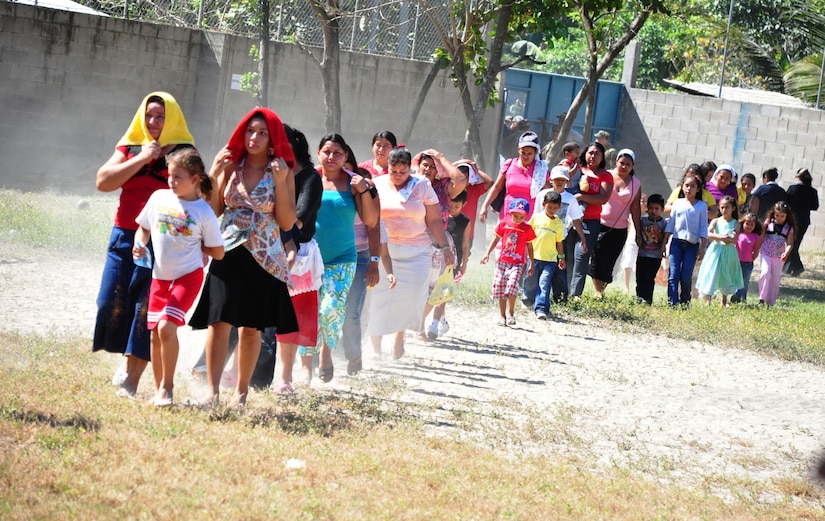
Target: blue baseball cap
<point>521,206</point>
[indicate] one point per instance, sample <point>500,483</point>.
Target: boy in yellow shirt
<point>548,249</point>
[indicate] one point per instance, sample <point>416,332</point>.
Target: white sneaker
<point>432,331</point>
<point>443,327</point>
<point>511,320</point>
<point>120,376</point>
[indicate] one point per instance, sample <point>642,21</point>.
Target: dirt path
<point>678,411</point>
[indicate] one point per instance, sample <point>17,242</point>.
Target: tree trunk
<point>263,61</point>
<point>590,110</point>
<point>597,70</point>
<point>472,138</point>
<point>330,63</point>
<point>419,101</point>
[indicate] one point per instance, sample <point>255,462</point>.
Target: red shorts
<point>171,299</point>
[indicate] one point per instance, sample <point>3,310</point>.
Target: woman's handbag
<point>443,290</point>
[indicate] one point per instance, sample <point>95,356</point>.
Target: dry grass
<point>71,449</point>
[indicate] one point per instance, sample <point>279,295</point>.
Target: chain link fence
<point>396,28</point>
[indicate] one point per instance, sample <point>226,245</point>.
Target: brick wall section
<point>669,131</point>
<point>70,84</point>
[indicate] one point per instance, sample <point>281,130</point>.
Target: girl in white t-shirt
<point>181,228</point>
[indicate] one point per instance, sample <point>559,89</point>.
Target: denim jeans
<point>545,270</point>
<point>561,281</point>
<point>682,259</point>
<point>529,285</point>
<point>351,331</point>
<point>581,264</point>
<point>747,269</point>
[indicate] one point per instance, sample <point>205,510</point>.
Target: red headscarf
<point>277,136</point>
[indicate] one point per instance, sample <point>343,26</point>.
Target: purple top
<point>719,194</point>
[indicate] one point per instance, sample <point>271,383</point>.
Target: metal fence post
<point>126,9</point>
<point>200,13</point>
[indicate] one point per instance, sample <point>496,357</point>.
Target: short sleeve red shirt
<point>514,238</point>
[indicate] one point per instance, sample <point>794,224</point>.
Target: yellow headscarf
<point>175,131</point>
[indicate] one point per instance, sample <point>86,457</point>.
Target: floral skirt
<point>332,306</point>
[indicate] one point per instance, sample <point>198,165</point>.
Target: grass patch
<point>72,449</point>
<point>56,222</point>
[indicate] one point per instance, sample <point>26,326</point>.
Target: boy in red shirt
<point>515,236</point>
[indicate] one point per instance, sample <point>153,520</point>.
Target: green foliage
<point>802,78</point>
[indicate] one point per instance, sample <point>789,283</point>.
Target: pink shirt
<point>616,210</point>
<point>517,185</point>
<point>745,244</point>
<point>403,212</point>
<point>369,166</point>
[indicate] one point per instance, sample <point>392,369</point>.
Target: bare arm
<point>636,216</point>
<point>284,194</point>
<point>367,205</point>
<point>436,227</point>
<point>221,171</point>
<point>457,179</point>
<point>216,252</point>
<point>489,250</point>
<point>117,170</point>
<point>498,186</point>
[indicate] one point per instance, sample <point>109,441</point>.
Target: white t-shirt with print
<point>178,228</point>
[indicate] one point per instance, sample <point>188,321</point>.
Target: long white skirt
<point>402,307</point>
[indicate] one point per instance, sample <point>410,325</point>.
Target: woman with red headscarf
<point>255,193</point>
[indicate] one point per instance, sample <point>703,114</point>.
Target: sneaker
<point>443,327</point>
<point>119,377</point>
<point>511,320</point>
<point>541,315</point>
<point>432,331</point>
<point>502,321</point>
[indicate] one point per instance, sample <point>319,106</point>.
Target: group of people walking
<point>298,245</point>
<point>293,255</point>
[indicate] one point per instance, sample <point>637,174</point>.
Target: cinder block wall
<point>70,84</point>
<point>670,131</point>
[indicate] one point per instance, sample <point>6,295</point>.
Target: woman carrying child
<point>686,236</point>
<point>720,271</point>
<point>182,228</point>
<point>775,245</point>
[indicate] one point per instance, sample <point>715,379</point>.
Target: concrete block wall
<point>668,131</point>
<point>70,84</point>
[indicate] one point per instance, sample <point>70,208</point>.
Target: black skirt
<point>240,292</point>
<point>606,252</point>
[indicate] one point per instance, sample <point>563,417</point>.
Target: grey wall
<point>70,84</point>
<point>670,131</point>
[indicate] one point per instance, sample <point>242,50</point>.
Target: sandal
<point>284,389</point>
<point>354,366</point>
<point>325,374</point>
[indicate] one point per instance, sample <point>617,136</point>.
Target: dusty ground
<point>678,411</point>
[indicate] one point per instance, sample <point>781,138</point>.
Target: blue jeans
<point>581,264</point>
<point>545,270</point>
<point>351,331</point>
<point>682,260</point>
<point>747,270</point>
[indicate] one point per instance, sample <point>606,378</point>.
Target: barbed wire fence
<point>395,28</point>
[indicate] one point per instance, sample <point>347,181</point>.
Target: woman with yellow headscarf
<point>138,168</point>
